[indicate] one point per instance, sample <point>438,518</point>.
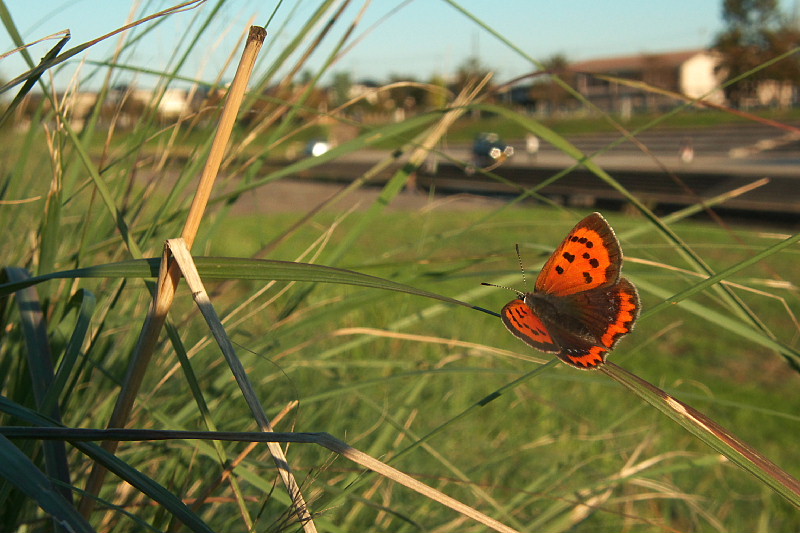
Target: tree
<point>437,97</point>
<point>470,71</point>
<point>549,93</point>
<point>756,32</point>
<point>342,83</point>
<point>408,94</point>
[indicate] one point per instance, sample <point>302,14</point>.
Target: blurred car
<point>317,147</point>
<point>488,148</point>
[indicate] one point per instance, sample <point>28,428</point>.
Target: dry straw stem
<point>695,208</point>
<point>183,261</point>
<point>169,274</point>
<point>58,35</point>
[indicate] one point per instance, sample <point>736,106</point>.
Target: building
<point>693,73</point>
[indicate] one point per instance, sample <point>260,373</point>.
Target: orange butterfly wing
<point>589,257</point>
<point>520,320</point>
<point>605,314</point>
<point>624,312</point>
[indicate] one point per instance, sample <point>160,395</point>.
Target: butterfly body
<point>562,312</point>
<point>580,306</point>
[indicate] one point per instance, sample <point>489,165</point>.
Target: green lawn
<point>566,432</point>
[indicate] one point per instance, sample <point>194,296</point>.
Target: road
<point>746,149</point>
<point>725,158</point>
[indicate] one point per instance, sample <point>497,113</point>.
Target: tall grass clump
<point>178,355</point>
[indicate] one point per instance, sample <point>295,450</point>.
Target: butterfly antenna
<point>520,294</point>
<point>522,268</point>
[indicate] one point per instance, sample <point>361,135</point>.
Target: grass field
<point>390,354</point>
<point>564,433</point>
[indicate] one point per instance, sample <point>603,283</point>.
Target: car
<point>488,148</point>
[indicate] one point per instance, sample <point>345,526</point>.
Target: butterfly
<point>580,306</point>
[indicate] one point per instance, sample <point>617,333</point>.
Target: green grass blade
<point>710,315</point>
<point>40,366</point>
<point>205,413</point>
<point>710,433</point>
<point>145,484</point>
<point>724,274</point>
<point>30,82</point>
<point>105,193</point>
<point>84,303</point>
<point>18,470</point>
<point>227,268</point>
<point>46,65</point>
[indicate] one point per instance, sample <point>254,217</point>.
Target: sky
<point>409,38</point>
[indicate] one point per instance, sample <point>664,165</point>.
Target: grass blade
<point>710,433</point>
<point>227,268</point>
<point>20,471</point>
<point>40,366</point>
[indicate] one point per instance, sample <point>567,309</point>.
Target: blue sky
<point>418,37</point>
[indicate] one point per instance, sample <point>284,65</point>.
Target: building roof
<point>635,62</point>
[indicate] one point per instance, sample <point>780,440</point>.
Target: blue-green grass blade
<point>17,469</point>
<point>40,366</point>
<point>226,268</point>
<point>114,464</point>
<point>84,302</point>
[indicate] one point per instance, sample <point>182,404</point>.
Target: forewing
<point>589,257</point>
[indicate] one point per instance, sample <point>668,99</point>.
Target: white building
<point>693,73</point>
